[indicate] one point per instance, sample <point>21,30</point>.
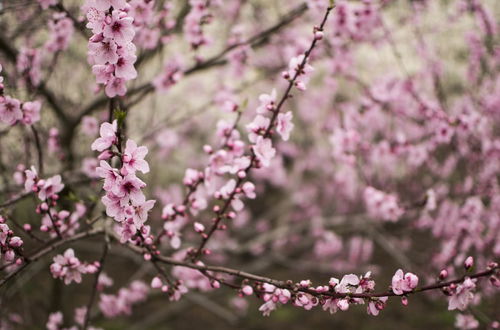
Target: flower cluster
<point>121,303</point>
<point>47,189</point>
<point>61,31</point>
<point>9,244</point>
<point>111,51</point>
<point>198,16</point>
<point>382,205</point>
<point>304,295</point>
<point>124,200</point>
<point>299,71</point>
<point>172,72</point>
<point>70,269</point>
<point>14,111</point>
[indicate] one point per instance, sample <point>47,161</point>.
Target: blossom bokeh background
<point>393,161</point>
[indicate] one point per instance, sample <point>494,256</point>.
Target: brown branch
<point>293,286</point>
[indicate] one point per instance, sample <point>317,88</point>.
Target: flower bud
<point>469,262</point>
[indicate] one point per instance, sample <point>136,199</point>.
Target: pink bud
<point>156,283</point>
<point>208,149</point>
<point>105,155</point>
<point>495,281</point>
<point>469,262</point>
<point>15,242</point>
<point>27,227</point>
<point>443,274</point>
<point>247,290</point>
<point>147,256</point>
<point>343,304</point>
<point>404,301</point>
<point>318,35</point>
<point>198,227</point>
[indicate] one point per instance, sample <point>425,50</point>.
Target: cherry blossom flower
<point>284,125</point>
<point>69,268</point>
<point>120,28</point>
<point>133,158</point>
<point>462,295</point>
<point>402,283</point>
<point>31,112</point>
<point>10,110</point>
<point>107,138</point>
<point>50,187</point>
<point>264,150</point>
<point>257,127</point>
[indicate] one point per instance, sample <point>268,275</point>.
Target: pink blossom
<point>375,306</point>
<point>267,308</point>
<point>107,138</point>
<point>466,322</point>
<point>31,180</point>
<point>133,158</point>
<point>116,86</point>
<point>31,112</point>
<point>402,283</point>
<point>10,110</point>
<point>462,295</point>
<point>257,127</point>
<point>50,187</point>
<point>46,4</point>
<point>90,126</point>
<point>267,102</point>
<point>264,151</point>
<point>103,52</point>
<point>124,67</point>
<point>109,174</point>
<point>55,321</point>
<point>284,125</point>
<point>69,268</point>
<point>129,188</point>
<point>120,28</point>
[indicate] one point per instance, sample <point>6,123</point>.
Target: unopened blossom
<point>469,262</point>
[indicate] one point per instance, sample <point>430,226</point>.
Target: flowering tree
<point>161,150</point>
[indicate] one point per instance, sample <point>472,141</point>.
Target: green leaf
<point>120,116</point>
